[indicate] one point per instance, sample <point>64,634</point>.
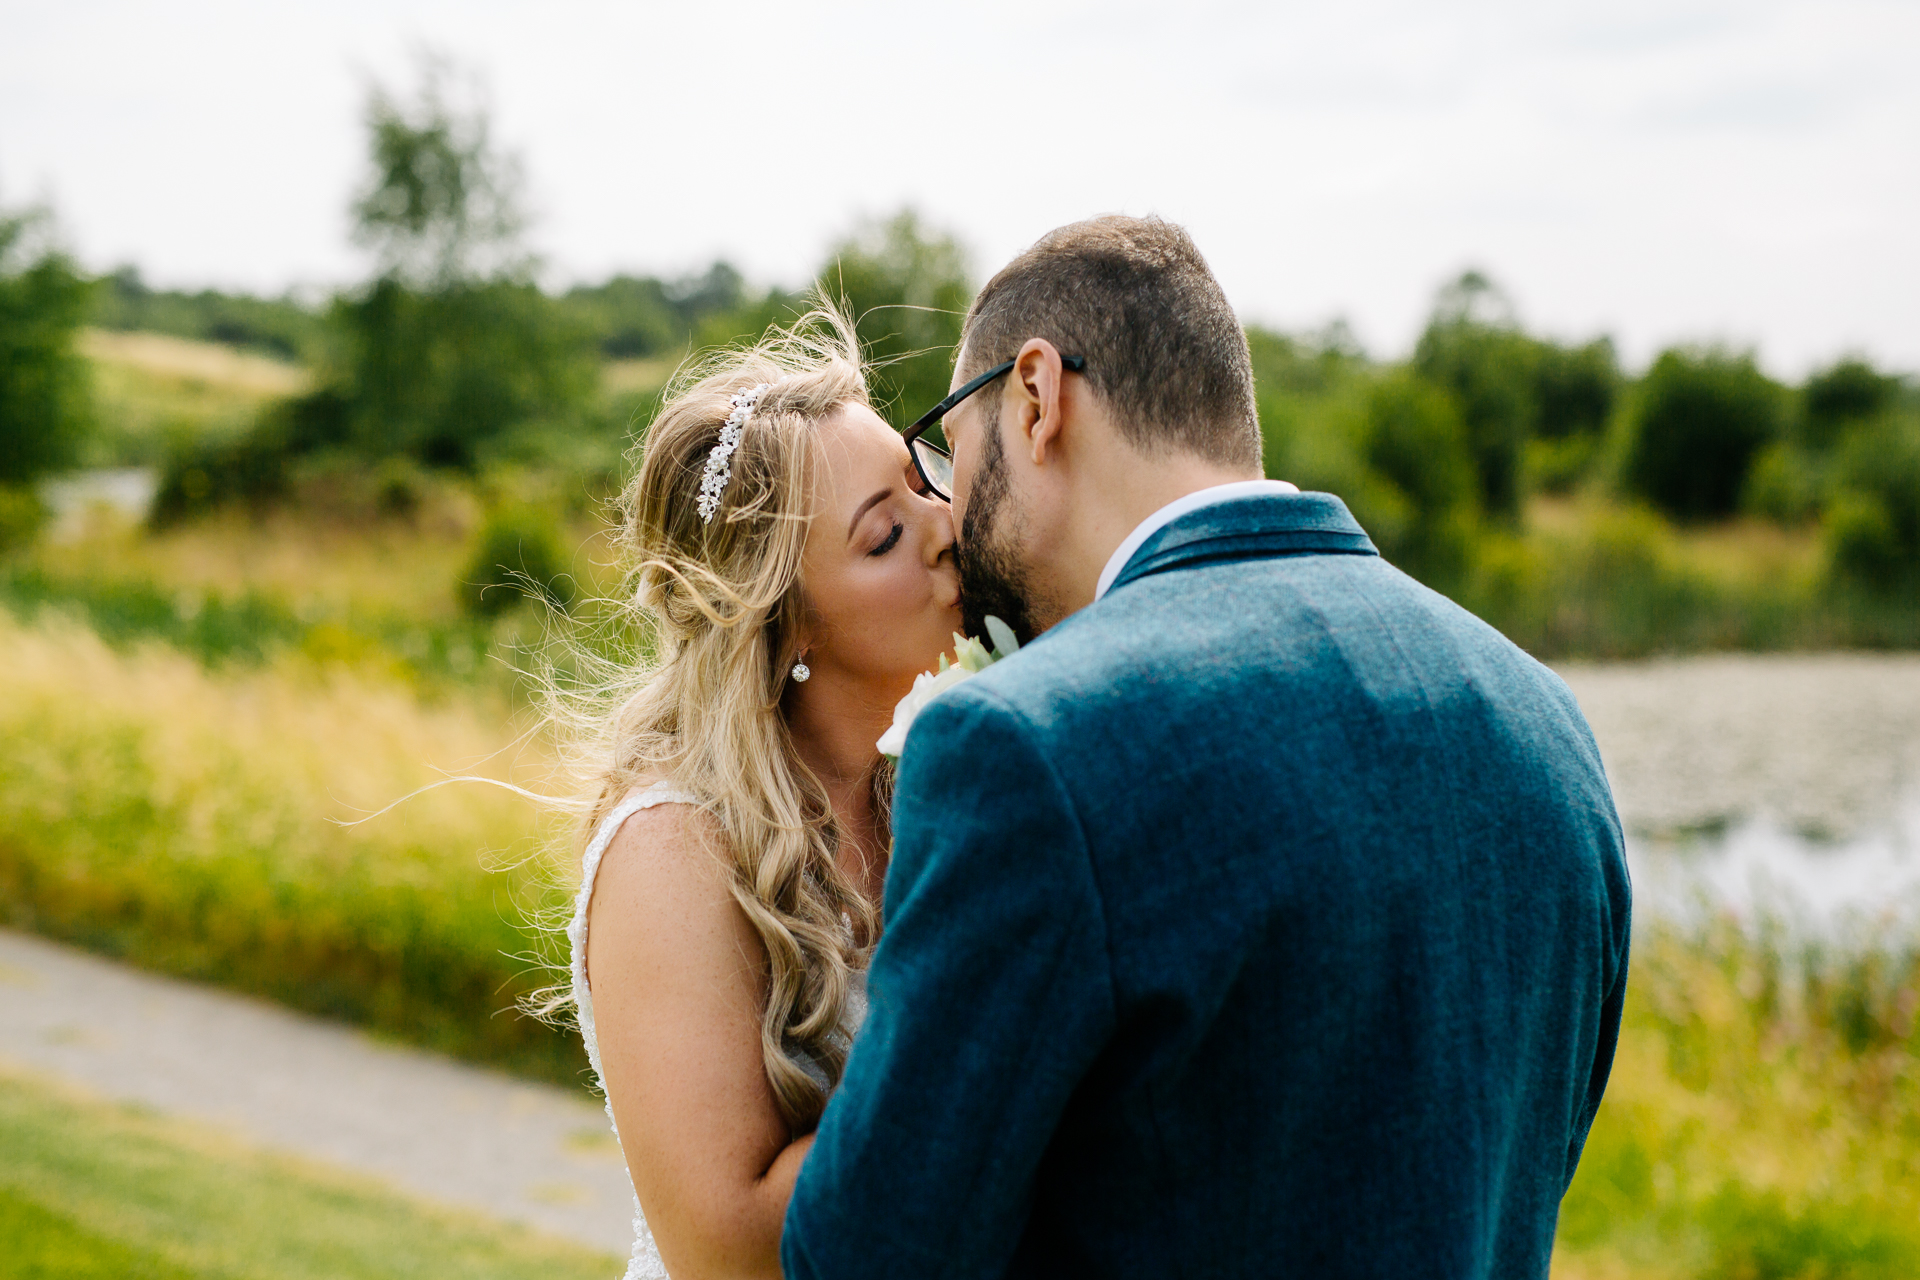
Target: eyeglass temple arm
<point>1074,364</point>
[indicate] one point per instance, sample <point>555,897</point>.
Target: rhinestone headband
<point>713,482</point>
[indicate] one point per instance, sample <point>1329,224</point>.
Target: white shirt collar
<point>1174,510</point>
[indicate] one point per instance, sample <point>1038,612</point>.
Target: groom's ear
<point>1034,400</point>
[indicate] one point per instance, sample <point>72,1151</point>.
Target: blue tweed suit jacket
<point>1267,917</point>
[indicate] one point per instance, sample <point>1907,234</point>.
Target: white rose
<point>928,685</point>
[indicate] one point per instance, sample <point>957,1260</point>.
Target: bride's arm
<point>679,979</point>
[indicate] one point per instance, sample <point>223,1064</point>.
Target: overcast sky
<point>1662,170</point>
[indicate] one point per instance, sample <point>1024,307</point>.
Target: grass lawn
<point>90,1189</point>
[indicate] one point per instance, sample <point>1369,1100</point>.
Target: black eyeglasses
<point>934,463</point>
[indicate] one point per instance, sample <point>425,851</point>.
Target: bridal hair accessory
<point>973,658</point>
<point>801,673</point>
<point>713,482</point>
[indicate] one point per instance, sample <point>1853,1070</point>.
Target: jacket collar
<point>1251,528</point>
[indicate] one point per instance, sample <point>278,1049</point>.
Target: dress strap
<point>657,794</point>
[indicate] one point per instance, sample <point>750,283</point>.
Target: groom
<point>1267,914</point>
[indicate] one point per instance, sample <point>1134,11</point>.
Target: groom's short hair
<point>1134,296</point>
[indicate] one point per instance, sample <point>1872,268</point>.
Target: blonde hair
<point>722,603</point>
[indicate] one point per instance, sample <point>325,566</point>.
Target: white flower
<point>973,657</point>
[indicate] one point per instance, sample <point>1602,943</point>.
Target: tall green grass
<point>255,626</point>
<point>190,819</point>
<point>1763,1119</point>
<point>1612,582</point>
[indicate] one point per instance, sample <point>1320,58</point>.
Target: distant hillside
<point>153,390</point>
<point>279,327</point>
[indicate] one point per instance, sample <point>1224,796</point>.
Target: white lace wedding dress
<point>645,1263</point>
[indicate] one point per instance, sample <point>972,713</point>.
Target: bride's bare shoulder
<point>662,874</point>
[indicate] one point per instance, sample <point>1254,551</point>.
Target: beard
<point>993,580</point>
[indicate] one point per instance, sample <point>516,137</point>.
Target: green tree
<point>45,403</point>
<point>451,347</point>
<point>1473,347</point>
<point>1574,392</point>
<point>716,291</point>
<point>1702,418</point>
<point>440,205</point>
<point>1415,440</point>
<point>629,316</point>
<point>1793,477</point>
<point>1574,388</point>
<point>1298,380</point>
<point>908,290</point>
<point>451,354</point>
<point>441,375</point>
<point>1848,392</point>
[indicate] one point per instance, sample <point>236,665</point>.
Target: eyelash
<point>893,540</point>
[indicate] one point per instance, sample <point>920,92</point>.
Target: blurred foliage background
<point>267,564</point>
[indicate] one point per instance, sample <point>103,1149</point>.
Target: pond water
<point>1777,785</point>
<point>127,492</point>
<point>1864,886</point>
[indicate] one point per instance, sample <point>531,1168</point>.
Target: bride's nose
<point>939,537</point>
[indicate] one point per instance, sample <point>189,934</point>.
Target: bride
<point>795,575</point>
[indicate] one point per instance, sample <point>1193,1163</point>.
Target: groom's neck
<point>1107,498</point>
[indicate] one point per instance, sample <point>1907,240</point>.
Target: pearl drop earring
<point>801,672</point>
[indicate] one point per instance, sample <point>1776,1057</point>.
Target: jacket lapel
<point>1251,528</point>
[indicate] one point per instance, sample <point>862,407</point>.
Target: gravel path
<point>431,1127</point>
<point>1814,744</point>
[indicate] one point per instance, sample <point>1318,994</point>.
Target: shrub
<point>448,378</point>
<point>1873,521</point>
<point>1557,465</point>
<point>1783,484</point>
<point>641,316</point>
<point>1702,416</point>
<point>201,475</point>
<point>1862,542</point>
<point>44,400</point>
<point>21,516</point>
<point>517,556</point>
